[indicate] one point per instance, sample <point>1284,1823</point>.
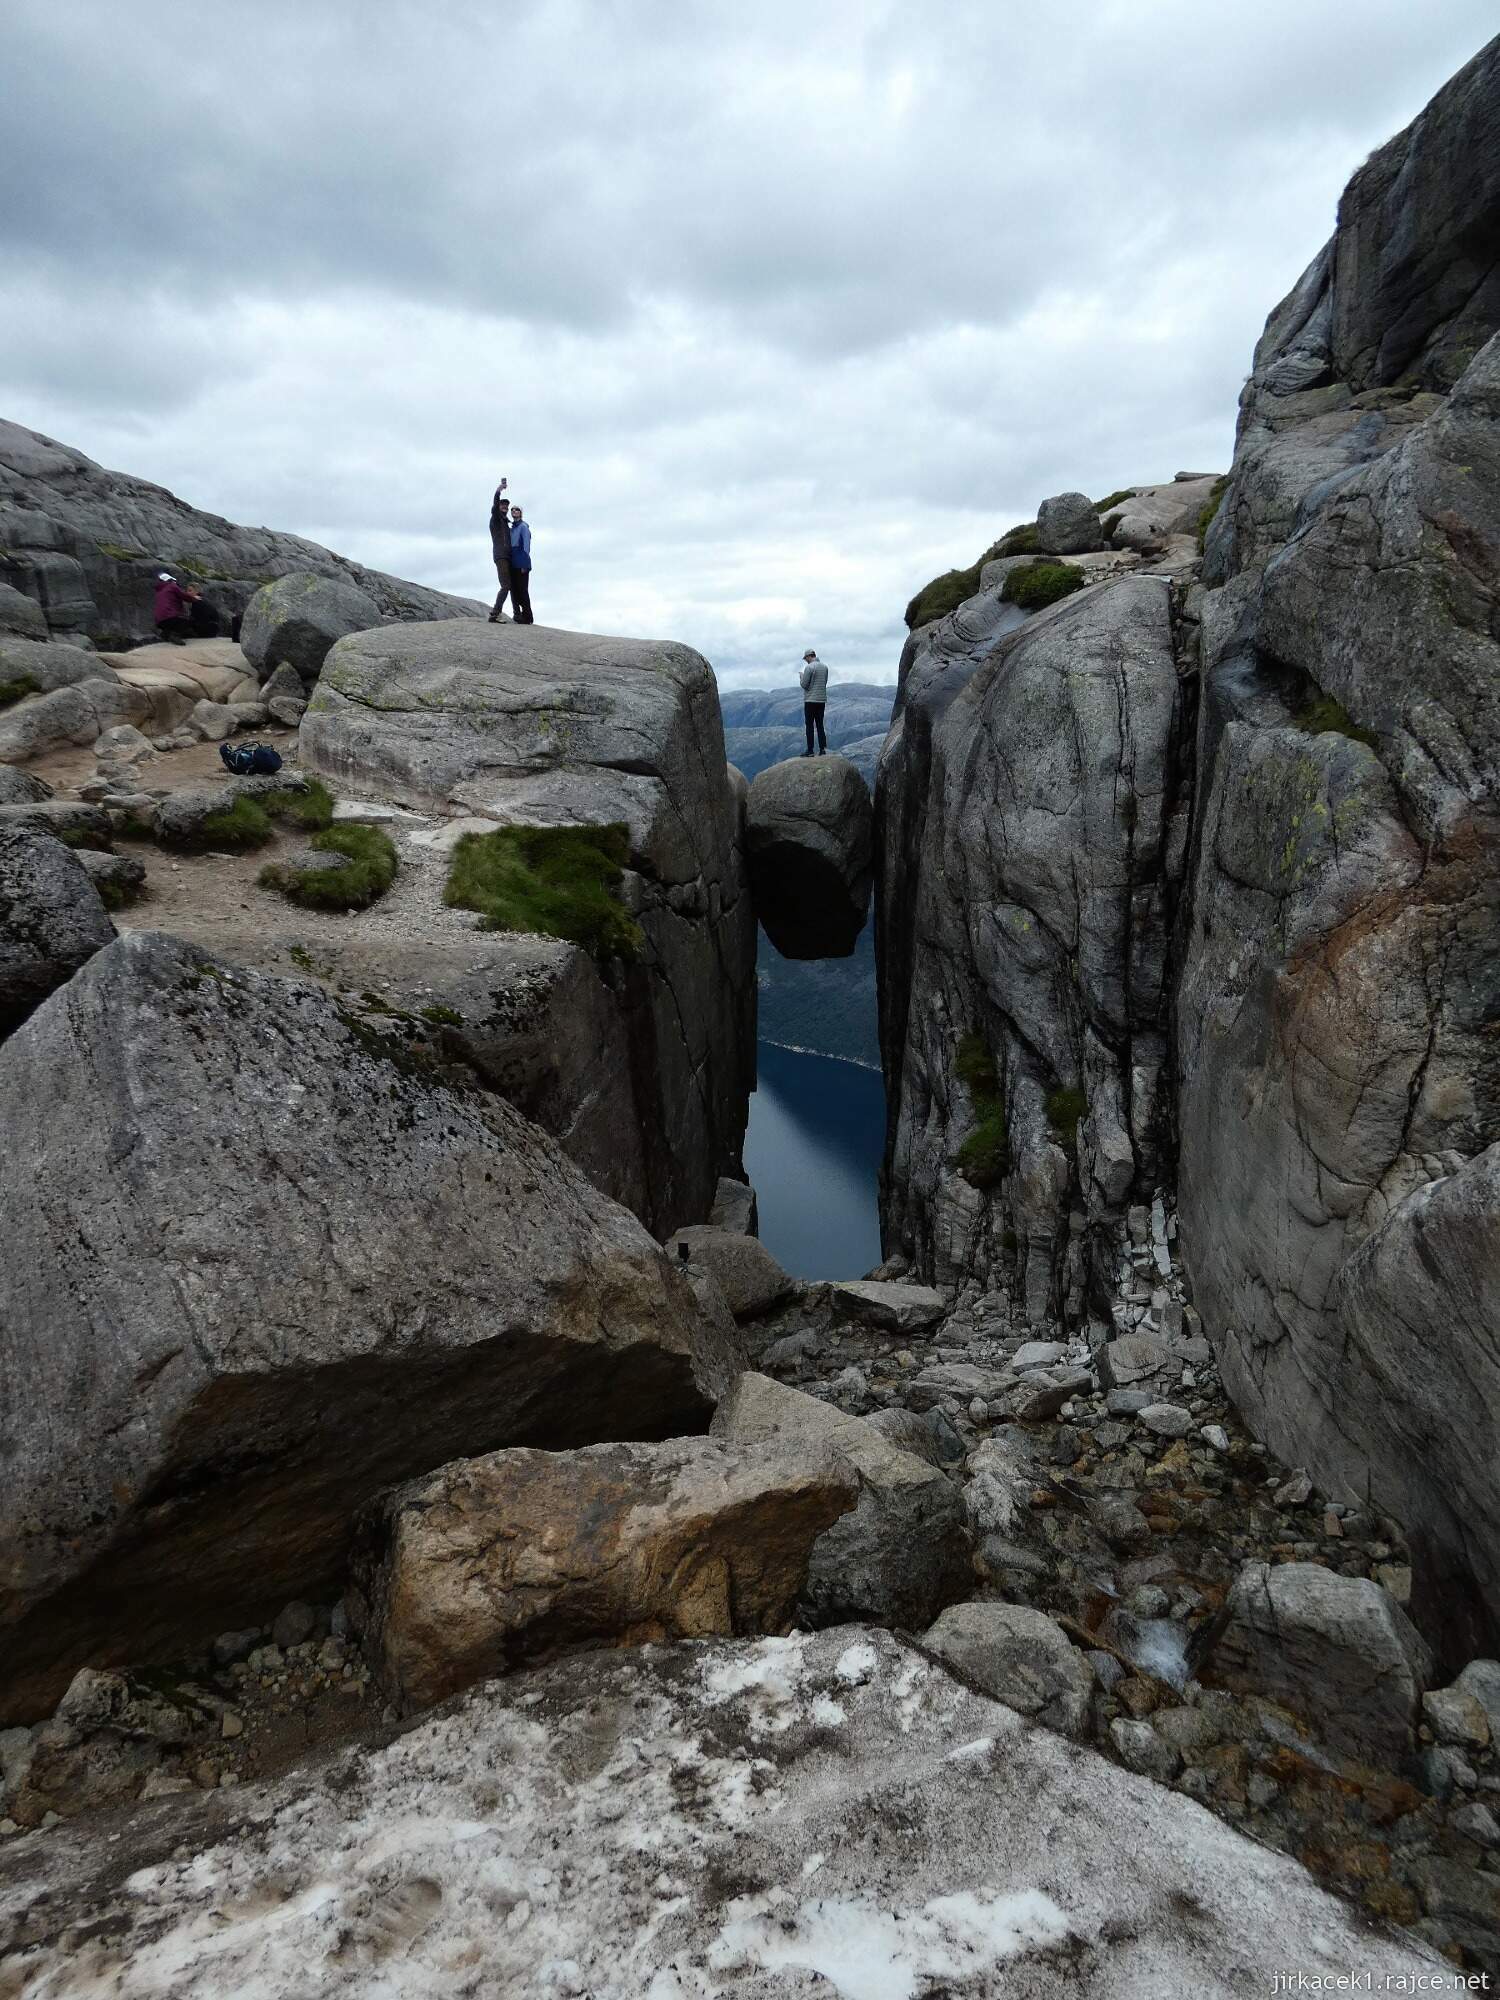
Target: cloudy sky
<point>768,313</point>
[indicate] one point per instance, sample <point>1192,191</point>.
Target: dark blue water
<point>817,1127</point>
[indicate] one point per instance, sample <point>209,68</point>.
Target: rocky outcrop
<point>85,545</point>
<point>726,1813</point>
<point>1336,1649</point>
<point>51,920</point>
<point>1038,804</point>
<point>808,832</point>
<point>1334,1044</point>
<point>1068,525</point>
<point>521,1554</point>
<point>741,1266</point>
<point>293,622</point>
<point>267,1267</point>
<point>528,725</point>
<point>901,1554</point>
<point>1019,1657</point>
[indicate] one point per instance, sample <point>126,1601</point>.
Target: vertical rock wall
<point>1337,1001</point>
<point>1029,792</point>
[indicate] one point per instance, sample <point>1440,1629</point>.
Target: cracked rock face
<point>1335,1009</point>
<point>808,829</point>
<point>1039,840</point>
<point>526,725</point>
<point>297,1270</point>
<point>725,1812</point>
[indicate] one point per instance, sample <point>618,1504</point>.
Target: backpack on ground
<point>250,760</point>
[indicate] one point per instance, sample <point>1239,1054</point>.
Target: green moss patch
<point>1038,584</point>
<point>14,690</point>
<point>944,594</point>
<point>312,810</point>
<point>364,871</point>
<point>1113,499</point>
<point>981,1159</point>
<point>1018,541</point>
<point>1065,1106</point>
<point>557,881</point>
<point>1210,508</point>
<point>1322,715</point>
<point>241,823</point>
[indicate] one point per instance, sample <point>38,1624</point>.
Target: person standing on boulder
<point>814,679</point>
<point>172,609</point>
<point>520,568</point>
<point>500,548</point>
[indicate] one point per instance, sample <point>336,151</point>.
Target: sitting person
<point>203,620</point>
<point>172,608</point>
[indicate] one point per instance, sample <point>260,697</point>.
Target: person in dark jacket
<point>203,620</point>
<point>520,567</point>
<point>500,549</point>
<point>814,679</point>
<point>172,609</point>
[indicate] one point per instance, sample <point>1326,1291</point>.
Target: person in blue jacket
<point>520,569</point>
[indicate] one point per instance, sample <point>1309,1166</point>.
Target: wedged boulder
<point>495,1560</point>
<point>1153,514</point>
<point>728,1813</point>
<point>809,834</point>
<point>51,920</point>
<point>902,1553</point>
<point>745,1271</point>
<point>302,1241</point>
<point>293,622</point>
<point>1021,1657</point>
<point>1336,1650</point>
<point>1068,525</point>
<point>1417,1306</point>
<point>523,724</point>
<point>119,878</point>
<point>884,1303</point>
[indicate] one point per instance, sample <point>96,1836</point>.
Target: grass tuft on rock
<point>1113,499</point>
<point>241,823</point>
<point>1322,715</point>
<point>1017,541</point>
<point>1065,1106</point>
<point>981,1159</point>
<point>364,872</point>
<point>944,594</point>
<point>1210,508</point>
<point>16,689</point>
<point>554,881</point>
<point>312,810</point>
<point>1039,584</point>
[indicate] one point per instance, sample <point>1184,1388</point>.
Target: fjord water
<point>812,1152</point>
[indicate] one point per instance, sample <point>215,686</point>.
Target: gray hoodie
<point>814,679</point>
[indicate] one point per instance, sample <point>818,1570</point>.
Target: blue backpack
<point>250,760</point>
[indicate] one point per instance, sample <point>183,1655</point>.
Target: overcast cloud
<point>769,314</point>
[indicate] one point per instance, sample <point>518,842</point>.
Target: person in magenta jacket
<point>172,609</point>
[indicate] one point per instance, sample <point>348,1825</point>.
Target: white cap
<point>165,576</point>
